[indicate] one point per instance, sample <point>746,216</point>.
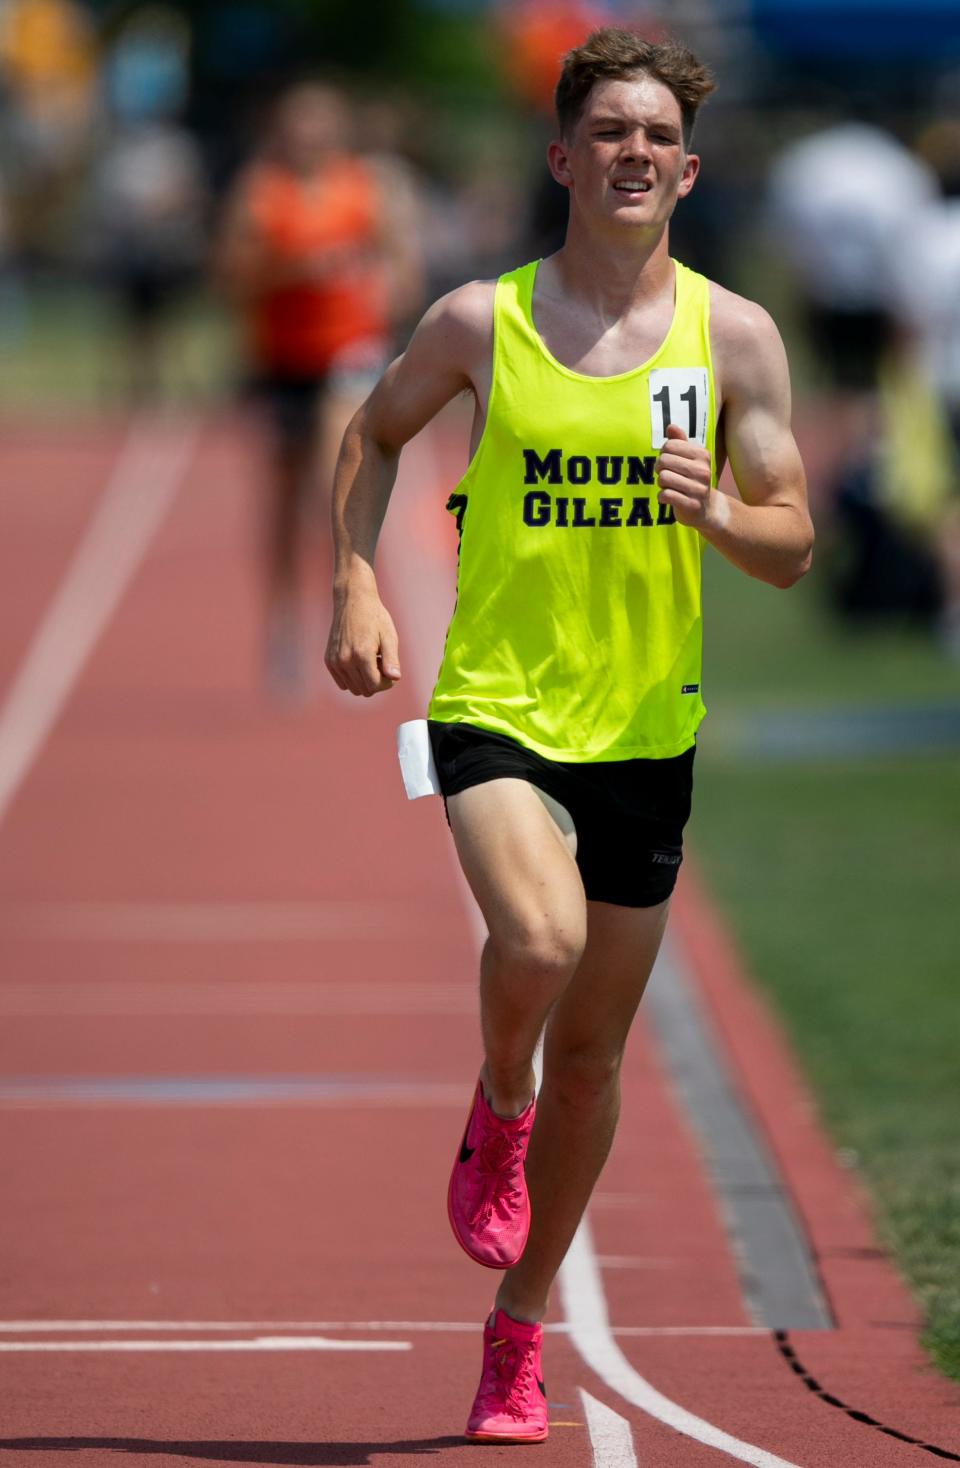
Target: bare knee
<point>583,1076</point>
<point>543,951</point>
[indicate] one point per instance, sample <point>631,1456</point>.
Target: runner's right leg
<point>521,870</point>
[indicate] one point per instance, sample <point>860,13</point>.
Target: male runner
<point>610,385</point>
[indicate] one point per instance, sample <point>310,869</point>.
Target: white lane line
<point>139,491</point>
<point>58,1092</point>
<point>52,1327</point>
<point>219,922</point>
<point>700,1330</point>
<point>23,1327</point>
<point>131,997</point>
<point>261,1343</point>
<point>611,1437</point>
<point>637,1261</point>
<point>585,1309</point>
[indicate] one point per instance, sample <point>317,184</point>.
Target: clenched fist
<point>362,654</point>
<point>683,473</point>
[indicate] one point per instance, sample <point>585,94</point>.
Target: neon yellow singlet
<point>577,628</point>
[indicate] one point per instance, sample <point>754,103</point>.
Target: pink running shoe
<point>511,1401</point>
<point>487,1199</point>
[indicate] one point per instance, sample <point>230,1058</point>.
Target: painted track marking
<point>219,922</point>
<point>260,1343</point>
<point>150,468</point>
<point>122,997</point>
<point>25,1327</point>
<point>611,1437</point>
<point>226,1090</point>
<point>585,1308</point>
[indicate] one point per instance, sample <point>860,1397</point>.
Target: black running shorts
<point>629,814</point>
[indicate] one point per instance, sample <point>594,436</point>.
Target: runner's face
<point>626,159</point>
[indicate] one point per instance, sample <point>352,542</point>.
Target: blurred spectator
<point>146,73</point>
<point>845,206</point>
<point>930,306</point>
<point>841,204</point>
<point>381,125</point>
<point>48,65</point>
<point>889,501</point>
<point>149,205</point>
<point>11,290</point>
<point>928,282</point>
<point>307,248</point>
<point>149,198</point>
<point>535,36</point>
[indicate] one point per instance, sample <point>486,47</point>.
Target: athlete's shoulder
<point>744,337</point>
<point>471,305</point>
<point>460,322</point>
<point>467,307</point>
<point>737,319</point>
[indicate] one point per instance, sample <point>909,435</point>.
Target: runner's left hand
<point>683,473</point>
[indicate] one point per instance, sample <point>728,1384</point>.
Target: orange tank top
<point>301,328</point>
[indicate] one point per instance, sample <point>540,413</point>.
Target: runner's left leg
<point>579,1099</point>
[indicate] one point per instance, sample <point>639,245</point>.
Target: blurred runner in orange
<point>306,249</point>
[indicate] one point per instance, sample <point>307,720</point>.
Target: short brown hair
<point>612,53</point>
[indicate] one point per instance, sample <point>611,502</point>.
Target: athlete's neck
<point>612,276</point>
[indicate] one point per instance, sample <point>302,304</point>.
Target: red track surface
<point>197,884</point>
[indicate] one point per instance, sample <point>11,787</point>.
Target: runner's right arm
<point>448,353</point>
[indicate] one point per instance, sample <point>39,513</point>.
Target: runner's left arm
<point>768,532</point>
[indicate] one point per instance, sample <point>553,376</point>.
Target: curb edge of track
<point>863,1283</point>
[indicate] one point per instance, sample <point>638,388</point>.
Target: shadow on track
<point>238,1452</point>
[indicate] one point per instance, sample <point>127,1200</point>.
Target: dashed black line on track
<point>782,1339</point>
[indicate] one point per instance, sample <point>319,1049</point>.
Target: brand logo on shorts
<point>666,858</point>
<point>690,688</point>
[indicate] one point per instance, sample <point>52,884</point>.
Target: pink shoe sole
<point>496,1437</point>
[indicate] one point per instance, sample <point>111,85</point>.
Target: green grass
<point>63,349</point>
<point>840,880</point>
<point>770,648</point>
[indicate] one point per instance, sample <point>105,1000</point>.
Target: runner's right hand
<point>362,652</point>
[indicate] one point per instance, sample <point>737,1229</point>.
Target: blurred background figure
<point>382,125</point>
<point>844,207</point>
<point>148,195</point>
<point>11,296</point>
<point>842,204</point>
<point>310,252</point>
<point>48,62</point>
<point>929,303</point>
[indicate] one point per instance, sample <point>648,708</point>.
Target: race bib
<point>679,395</point>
